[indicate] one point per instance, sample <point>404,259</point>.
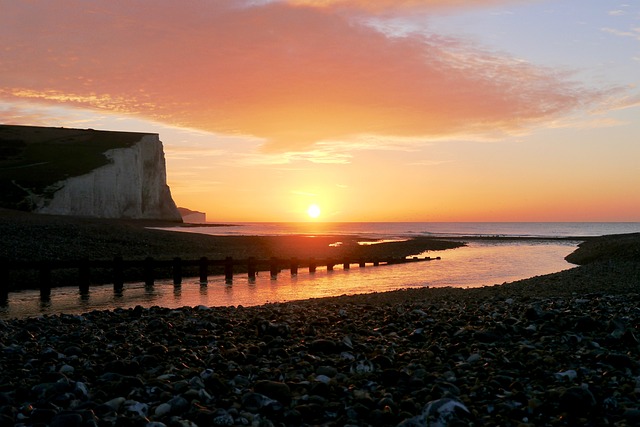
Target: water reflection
<point>478,264</point>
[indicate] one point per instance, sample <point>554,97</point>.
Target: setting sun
<point>313,211</point>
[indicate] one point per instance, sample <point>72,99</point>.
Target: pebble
<point>417,362</point>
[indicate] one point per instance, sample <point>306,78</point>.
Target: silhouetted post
<point>273,267</point>
<point>85,276</point>
<point>346,265</point>
<point>177,271</point>
<point>228,270</point>
<point>362,263</point>
<point>148,272</point>
<point>294,266</point>
<point>312,265</point>
<point>118,275</point>
<point>251,268</point>
<point>330,264</point>
<point>376,262</point>
<point>45,281</point>
<point>204,267</point>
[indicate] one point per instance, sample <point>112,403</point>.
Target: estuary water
<point>480,263</point>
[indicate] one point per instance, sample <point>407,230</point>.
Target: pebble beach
<point>555,350</point>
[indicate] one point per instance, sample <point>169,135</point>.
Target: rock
<point>440,413</point>
<point>66,370</point>
<point>274,390</point>
<point>568,375</point>
<point>487,336</point>
<point>138,408</point>
<point>255,402</point>
<point>116,403</point>
<point>273,329</point>
<point>577,401</point>
<point>586,324</point>
<point>66,420</point>
<point>328,371</point>
<point>162,410</point>
<point>362,366</point>
<point>324,346</point>
<point>533,312</point>
<point>475,357</point>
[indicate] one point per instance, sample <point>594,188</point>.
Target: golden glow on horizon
<point>313,211</point>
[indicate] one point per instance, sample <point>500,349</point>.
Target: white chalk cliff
<point>132,185</point>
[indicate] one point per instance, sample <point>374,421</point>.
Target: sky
<point>414,110</point>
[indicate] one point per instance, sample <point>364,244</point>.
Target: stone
<point>66,420</point>
<point>440,413</point>
<point>275,390</point>
<point>324,346</point>
<point>577,401</point>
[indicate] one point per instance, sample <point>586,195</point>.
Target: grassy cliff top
<point>33,158</point>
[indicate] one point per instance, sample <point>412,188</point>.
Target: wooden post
<point>85,276</point>
<point>273,267</point>
<point>312,265</point>
<point>118,275</point>
<point>177,271</point>
<point>294,266</point>
<point>204,267</point>
<point>45,281</point>
<point>251,268</point>
<point>362,263</point>
<point>346,264</point>
<point>376,262</point>
<point>148,272</point>
<point>228,270</point>
<point>330,264</point>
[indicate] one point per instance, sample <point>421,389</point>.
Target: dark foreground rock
<point>425,357</point>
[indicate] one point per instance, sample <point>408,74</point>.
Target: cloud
<point>634,33</point>
<point>295,76</point>
<point>380,5</point>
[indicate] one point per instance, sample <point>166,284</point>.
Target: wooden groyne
<point>150,266</point>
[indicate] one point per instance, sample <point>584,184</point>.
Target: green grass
<point>34,158</point>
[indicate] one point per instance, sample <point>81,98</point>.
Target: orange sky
<point>415,110</point>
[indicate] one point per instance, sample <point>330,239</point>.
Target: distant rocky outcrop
<point>192,217</point>
<point>84,173</point>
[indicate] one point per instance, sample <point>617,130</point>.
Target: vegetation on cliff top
<point>33,159</point>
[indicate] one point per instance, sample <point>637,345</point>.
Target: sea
<point>536,249</point>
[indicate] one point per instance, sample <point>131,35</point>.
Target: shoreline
<point>35,238</point>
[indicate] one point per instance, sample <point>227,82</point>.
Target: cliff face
<point>84,172</point>
<point>132,185</point>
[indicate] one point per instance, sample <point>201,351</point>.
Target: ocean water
<point>409,229</point>
<point>480,263</point>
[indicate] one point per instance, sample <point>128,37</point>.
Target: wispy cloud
<point>634,33</point>
<point>380,5</point>
<point>293,75</point>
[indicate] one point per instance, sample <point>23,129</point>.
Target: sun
<point>313,211</point>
